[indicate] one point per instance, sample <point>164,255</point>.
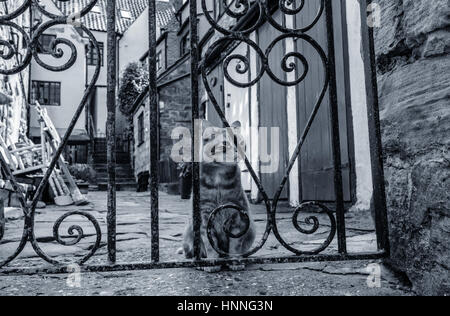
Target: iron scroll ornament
<point>287,65</point>
<point>31,46</point>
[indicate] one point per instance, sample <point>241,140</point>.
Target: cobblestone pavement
<point>348,278</point>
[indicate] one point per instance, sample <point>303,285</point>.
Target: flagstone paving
<point>133,245</point>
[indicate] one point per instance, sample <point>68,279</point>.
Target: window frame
<point>126,14</point>
<point>36,86</point>
<point>184,44</point>
<point>159,61</point>
<point>141,129</point>
<point>90,56</point>
<point>41,49</point>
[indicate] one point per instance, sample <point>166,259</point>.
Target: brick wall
<point>174,101</point>
<point>175,104</point>
<point>172,44</point>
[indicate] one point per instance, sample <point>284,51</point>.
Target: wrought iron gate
<point>199,69</point>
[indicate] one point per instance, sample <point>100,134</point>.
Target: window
<point>141,130</point>
<point>159,61</point>
<point>45,43</point>
<point>46,93</point>
<point>125,14</point>
<point>184,45</point>
<point>91,55</point>
<point>96,9</point>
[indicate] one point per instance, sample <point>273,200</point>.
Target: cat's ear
<point>236,124</point>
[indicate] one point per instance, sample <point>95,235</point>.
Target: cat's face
<point>218,145</point>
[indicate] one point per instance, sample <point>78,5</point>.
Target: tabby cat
<point>220,184</point>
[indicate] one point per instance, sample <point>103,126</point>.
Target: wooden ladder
<point>53,141</point>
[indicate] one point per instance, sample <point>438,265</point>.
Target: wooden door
<point>316,167</point>
<point>273,112</point>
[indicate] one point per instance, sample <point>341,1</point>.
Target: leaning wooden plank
<point>7,155</point>
<point>17,155</point>
<point>61,199</point>
<point>57,185</point>
<point>28,148</point>
<point>64,186</point>
<point>48,123</point>
<point>28,170</point>
<point>77,197</point>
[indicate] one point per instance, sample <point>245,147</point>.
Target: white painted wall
<point>134,42</point>
<point>101,37</point>
<point>238,109</point>
<point>359,107</point>
<point>254,118</point>
<point>294,179</point>
<point>101,112</point>
<point>72,80</point>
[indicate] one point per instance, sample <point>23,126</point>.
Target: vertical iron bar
<point>376,148</point>
<point>111,129</point>
<point>195,128</point>
<point>154,114</point>
<point>336,143</point>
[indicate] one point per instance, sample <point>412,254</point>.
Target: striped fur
<point>220,184</point>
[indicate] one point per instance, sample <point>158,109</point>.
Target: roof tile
<point>97,21</point>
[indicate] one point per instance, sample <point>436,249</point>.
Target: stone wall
<point>175,111</point>
<point>413,45</point>
<point>141,151</point>
<point>172,45</point>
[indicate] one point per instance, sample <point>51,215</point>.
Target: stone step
<point>125,172</point>
<point>118,167</point>
<point>121,168</point>
<point>126,186</point>
<point>119,174</point>
<point>118,179</point>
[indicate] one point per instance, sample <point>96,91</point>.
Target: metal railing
<point>199,70</point>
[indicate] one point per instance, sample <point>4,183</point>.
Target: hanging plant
<point>134,80</point>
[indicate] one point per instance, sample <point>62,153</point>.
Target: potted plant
<point>185,180</point>
<point>84,174</point>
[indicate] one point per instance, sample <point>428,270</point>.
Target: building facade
<point>61,92</point>
<point>312,176</point>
